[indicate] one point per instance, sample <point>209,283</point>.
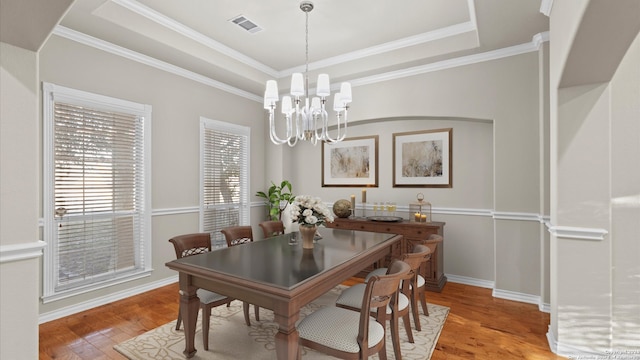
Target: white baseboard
<point>553,342</point>
<point>545,307</point>
<point>70,310</point>
<point>516,296</point>
<point>502,294</point>
<point>470,281</point>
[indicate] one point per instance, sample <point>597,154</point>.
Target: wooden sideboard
<point>413,233</point>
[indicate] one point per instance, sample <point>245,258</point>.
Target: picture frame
<point>350,162</point>
<point>423,158</point>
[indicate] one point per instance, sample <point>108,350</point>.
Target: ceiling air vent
<point>246,24</point>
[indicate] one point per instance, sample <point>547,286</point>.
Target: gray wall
<point>595,177</point>
<point>492,211</point>
<point>178,103</point>
<point>493,108</point>
<point>18,199</point>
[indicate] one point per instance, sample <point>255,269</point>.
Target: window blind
<point>224,178</point>
<point>96,191</point>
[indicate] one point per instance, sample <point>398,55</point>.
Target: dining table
<point>277,273</point>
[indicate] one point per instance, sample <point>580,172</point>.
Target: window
<point>96,191</point>
<point>224,177</point>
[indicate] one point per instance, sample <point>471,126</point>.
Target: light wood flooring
<point>479,326</point>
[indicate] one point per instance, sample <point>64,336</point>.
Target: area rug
<point>230,338</point>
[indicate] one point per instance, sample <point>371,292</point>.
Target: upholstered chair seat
<point>335,327</point>
<point>349,334</point>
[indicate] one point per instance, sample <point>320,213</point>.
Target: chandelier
<point>305,118</point>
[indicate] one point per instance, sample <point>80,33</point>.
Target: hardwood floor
<point>478,327</point>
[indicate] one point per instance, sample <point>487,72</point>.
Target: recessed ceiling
<point>347,39</point>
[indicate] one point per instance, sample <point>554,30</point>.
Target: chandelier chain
<point>306,51</point>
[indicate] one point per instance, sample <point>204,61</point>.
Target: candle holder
<point>420,211</point>
<point>353,207</point>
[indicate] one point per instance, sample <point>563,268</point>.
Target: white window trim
<point>236,129</point>
<point>51,93</point>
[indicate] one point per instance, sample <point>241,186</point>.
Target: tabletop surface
<point>280,262</point>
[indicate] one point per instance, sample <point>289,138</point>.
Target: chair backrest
<point>272,228</point>
<point>236,235</point>
<point>191,244</point>
<point>432,242</point>
<point>415,258</point>
<point>380,290</point>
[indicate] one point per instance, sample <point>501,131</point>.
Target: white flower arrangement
<point>309,210</point>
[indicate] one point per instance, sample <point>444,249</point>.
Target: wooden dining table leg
<point>287,336</point>
<point>189,305</point>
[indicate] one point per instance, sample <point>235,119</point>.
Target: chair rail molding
<point>578,233</point>
<point>16,252</point>
<point>502,215</point>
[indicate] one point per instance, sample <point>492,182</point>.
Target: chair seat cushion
<point>337,328</point>
<point>352,297</point>
<point>420,281</point>
<point>207,297</point>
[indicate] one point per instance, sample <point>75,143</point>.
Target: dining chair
<point>236,235</point>
<point>272,228</point>
<point>416,285</point>
<point>349,298</point>
<point>193,244</point>
<point>348,334</point>
<point>432,242</point>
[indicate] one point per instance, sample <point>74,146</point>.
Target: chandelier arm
<point>324,117</point>
<point>340,135</point>
<point>340,138</point>
<point>272,130</point>
<point>292,141</point>
<point>299,123</point>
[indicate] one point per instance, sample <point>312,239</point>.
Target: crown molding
<point>540,38</point>
<point>147,60</point>
<point>16,252</point>
<point>386,47</point>
<point>545,6</point>
<point>452,63</point>
<point>200,38</point>
<point>196,36</point>
<point>392,75</point>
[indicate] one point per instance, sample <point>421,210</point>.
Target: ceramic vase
<point>307,232</point>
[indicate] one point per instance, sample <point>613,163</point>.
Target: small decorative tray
<point>385,218</point>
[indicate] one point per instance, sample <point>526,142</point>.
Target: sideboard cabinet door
<point>413,233</point>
